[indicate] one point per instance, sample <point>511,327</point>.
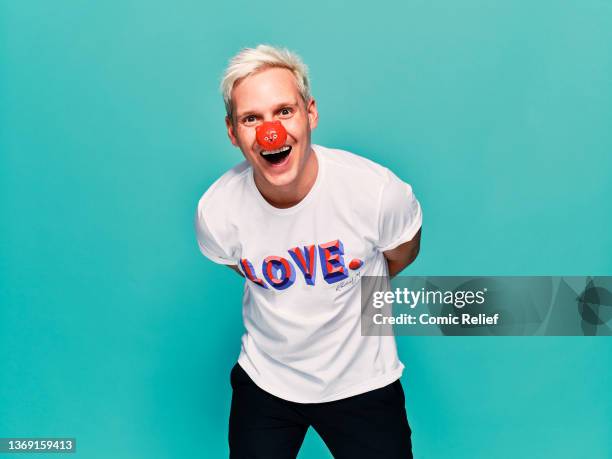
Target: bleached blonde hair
<point>252,60</point>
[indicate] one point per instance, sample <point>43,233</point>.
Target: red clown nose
<point>271,135</point>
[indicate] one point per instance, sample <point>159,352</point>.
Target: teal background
<point>115,330</point>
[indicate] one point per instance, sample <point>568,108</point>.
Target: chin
<point>280,180</point>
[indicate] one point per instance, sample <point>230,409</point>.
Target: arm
<point>404,254</point>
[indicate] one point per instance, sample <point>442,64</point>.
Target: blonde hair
<point>252,60</point>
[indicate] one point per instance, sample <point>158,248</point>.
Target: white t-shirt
<point>301,301</point>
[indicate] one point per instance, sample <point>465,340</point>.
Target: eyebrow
<point>277,107</point>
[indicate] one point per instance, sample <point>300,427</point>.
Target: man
<point>302,223</point>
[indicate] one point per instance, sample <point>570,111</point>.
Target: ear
<point>313,114</point>
<point>230,131</point>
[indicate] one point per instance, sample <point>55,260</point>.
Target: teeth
<point>278,150</point>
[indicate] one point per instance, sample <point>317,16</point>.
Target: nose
<point>271,135</point>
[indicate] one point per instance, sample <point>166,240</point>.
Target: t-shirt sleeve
<point>400,214</point>
<point>212,236</point>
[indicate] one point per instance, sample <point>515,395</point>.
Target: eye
<point>286,111</point>
<point>249,119</point>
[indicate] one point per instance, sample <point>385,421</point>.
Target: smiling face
<point>266,96</point>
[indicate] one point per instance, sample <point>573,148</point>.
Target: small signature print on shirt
<point>348,283</point>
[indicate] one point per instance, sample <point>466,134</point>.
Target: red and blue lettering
<point>306,261</point>
<point>332,261</point>
<point>278,272</point>
<point>249,272</point>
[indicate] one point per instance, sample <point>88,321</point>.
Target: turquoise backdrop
<point>116,331</point>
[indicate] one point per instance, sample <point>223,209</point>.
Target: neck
<point>290,195</point>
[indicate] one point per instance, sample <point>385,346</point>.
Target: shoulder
<point>355,168</point>
<point>226,187</point>
<point>220,205</point>
<point>216,209</point>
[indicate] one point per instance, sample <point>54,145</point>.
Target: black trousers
<point>371,425</point>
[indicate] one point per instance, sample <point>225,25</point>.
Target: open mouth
<point>276,156</point>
